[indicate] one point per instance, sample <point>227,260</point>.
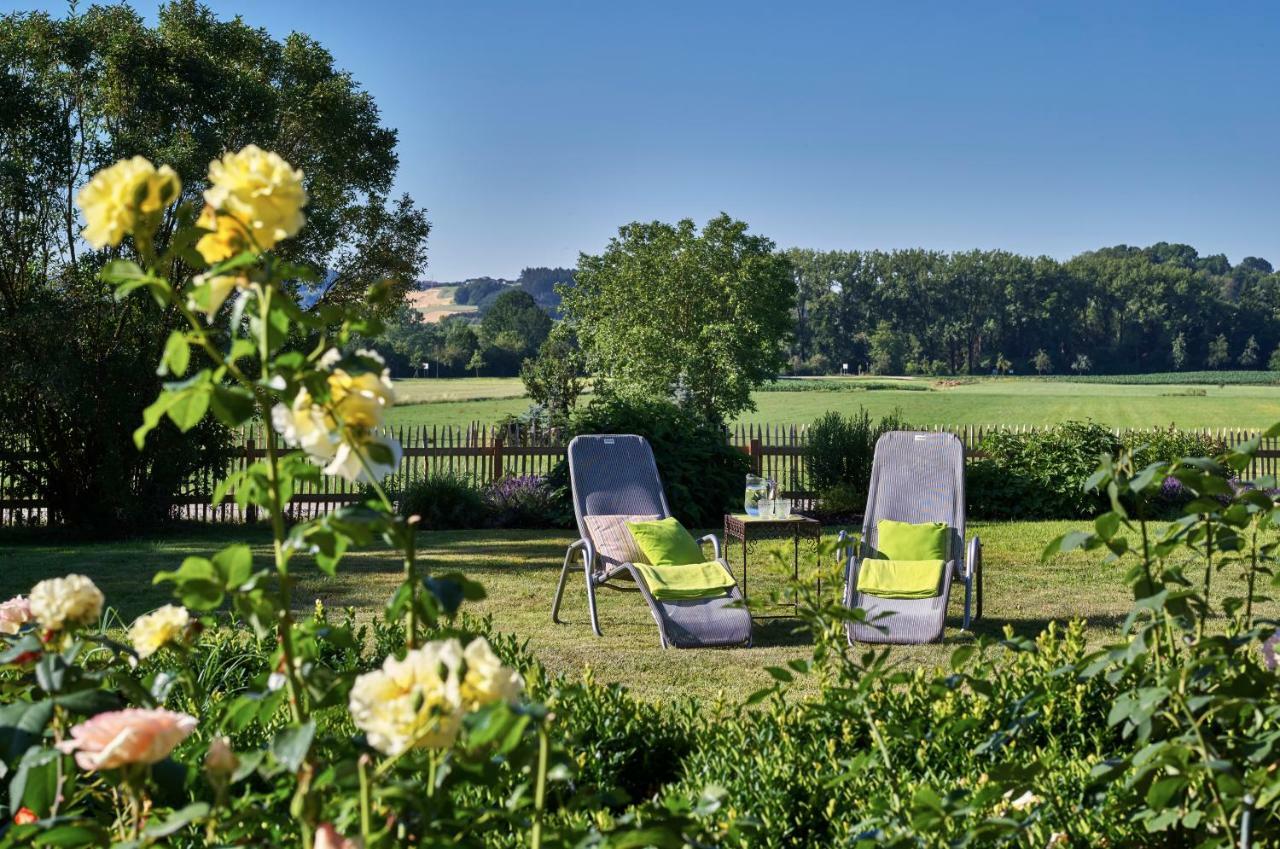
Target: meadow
<point>518,570</point>
<point>923,401</point>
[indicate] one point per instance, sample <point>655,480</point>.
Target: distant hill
<point>480,292</point>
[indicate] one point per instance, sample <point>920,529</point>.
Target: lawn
<point>519,569</point>
<point>1012,401</point>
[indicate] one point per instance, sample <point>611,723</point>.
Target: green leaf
<point>291,745</point>
<point>234,564</point>
<point>199,584</point>
<point>21,726</point>
<point>233,405</point>
<point>178,820</point>
<point>151,417</point>
<point>189,407</point>
<point>176,356</point>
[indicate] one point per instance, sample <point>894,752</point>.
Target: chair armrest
<point>715,544</point>
<point>973,556</point>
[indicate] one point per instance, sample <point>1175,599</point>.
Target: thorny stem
<point>1206,756</point>
<point>540,790</point>
<point>362,765</point>
<point>1208,574</point>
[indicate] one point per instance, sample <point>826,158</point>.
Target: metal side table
<point>747,530</point>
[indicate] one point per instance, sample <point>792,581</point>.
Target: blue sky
<point>531,131</point>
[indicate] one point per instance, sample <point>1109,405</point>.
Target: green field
<point>519,569</point>
<point>924,401</point>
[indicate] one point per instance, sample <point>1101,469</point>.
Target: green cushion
<point>905,541</point>
<point>693,580</point>
<point>899,578</point>
<point>666,543</point>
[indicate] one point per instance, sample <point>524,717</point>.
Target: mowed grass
<point>987,401</point>
<point>518,570</point>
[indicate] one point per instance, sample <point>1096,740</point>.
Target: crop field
<point>923,401</point>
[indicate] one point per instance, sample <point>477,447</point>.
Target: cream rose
<point>261,191</point>
<point>130,736</point>
<point>226,238</point>
<point>412,702</point>
<point>14,613</point>
<point>155,630</point>
<point>486,680</point>
<point>114,199</point>
<point>61,602</point>
<point>354,461</point>
<point>341,434</point>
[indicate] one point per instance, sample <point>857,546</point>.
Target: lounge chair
<point>615,480</point>
<point>915,477</point>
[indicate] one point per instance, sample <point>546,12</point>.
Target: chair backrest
<point>917,477</point>
<point>614,474</point>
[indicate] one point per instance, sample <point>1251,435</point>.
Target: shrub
<point>703,475</point>
<point>446,501</point>
<point>1039,474</point>
<point>522,502</point>
<point>839,450</point>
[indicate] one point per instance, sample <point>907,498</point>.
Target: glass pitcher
<point>757,490</point>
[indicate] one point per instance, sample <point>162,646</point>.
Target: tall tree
<point>1219,353</point>
<point>101,85</point>
<point>1249,356</point>
<point>666,307</point>
<point>515,326</point>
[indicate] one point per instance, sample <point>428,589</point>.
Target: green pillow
<point>905,541</point>
<point>666,543</point>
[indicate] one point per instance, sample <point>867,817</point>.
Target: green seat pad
<point>666,542</point>
<point>689,581</point>
<point>900,578</point>
<point>906,541</point>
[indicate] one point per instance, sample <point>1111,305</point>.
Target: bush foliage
<point>702,474</point>
<point>1042,474</point>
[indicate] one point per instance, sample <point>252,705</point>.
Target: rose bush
<point>226,718</point>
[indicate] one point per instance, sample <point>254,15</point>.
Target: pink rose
<point>14,613</point>
<point>130,736</point>
<point>327,837</point>
<point>1269,650</point>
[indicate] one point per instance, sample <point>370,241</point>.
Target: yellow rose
<point>341,433</point>
<point>117,196</point>
<point>360,400</point>
<point>210,292</point>
<point>59,602</point>
<point>304,425</point>
<point>411,702</point>
<point>155,630</point>
<point>354,461</point>
<point>486,680</point>
<point>227,238</point>
<point>262,192</point>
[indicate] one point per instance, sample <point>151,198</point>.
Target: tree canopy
<point>79,93</point>
<point>667,310</point>
<point>1122,309</point>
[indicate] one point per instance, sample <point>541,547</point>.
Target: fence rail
<point>485,453</point>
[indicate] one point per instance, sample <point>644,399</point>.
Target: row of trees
<point>510,330</point>
<point>1121,309</point>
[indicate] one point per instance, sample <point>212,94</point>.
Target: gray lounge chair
<point>915,477</point>
<point>615,479</point>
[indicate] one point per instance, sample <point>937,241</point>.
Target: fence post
<point>497,455</point>
<point>251,509</point>
<point>756,454</point>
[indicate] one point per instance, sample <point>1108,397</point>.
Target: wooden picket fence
<point>484,453</point>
